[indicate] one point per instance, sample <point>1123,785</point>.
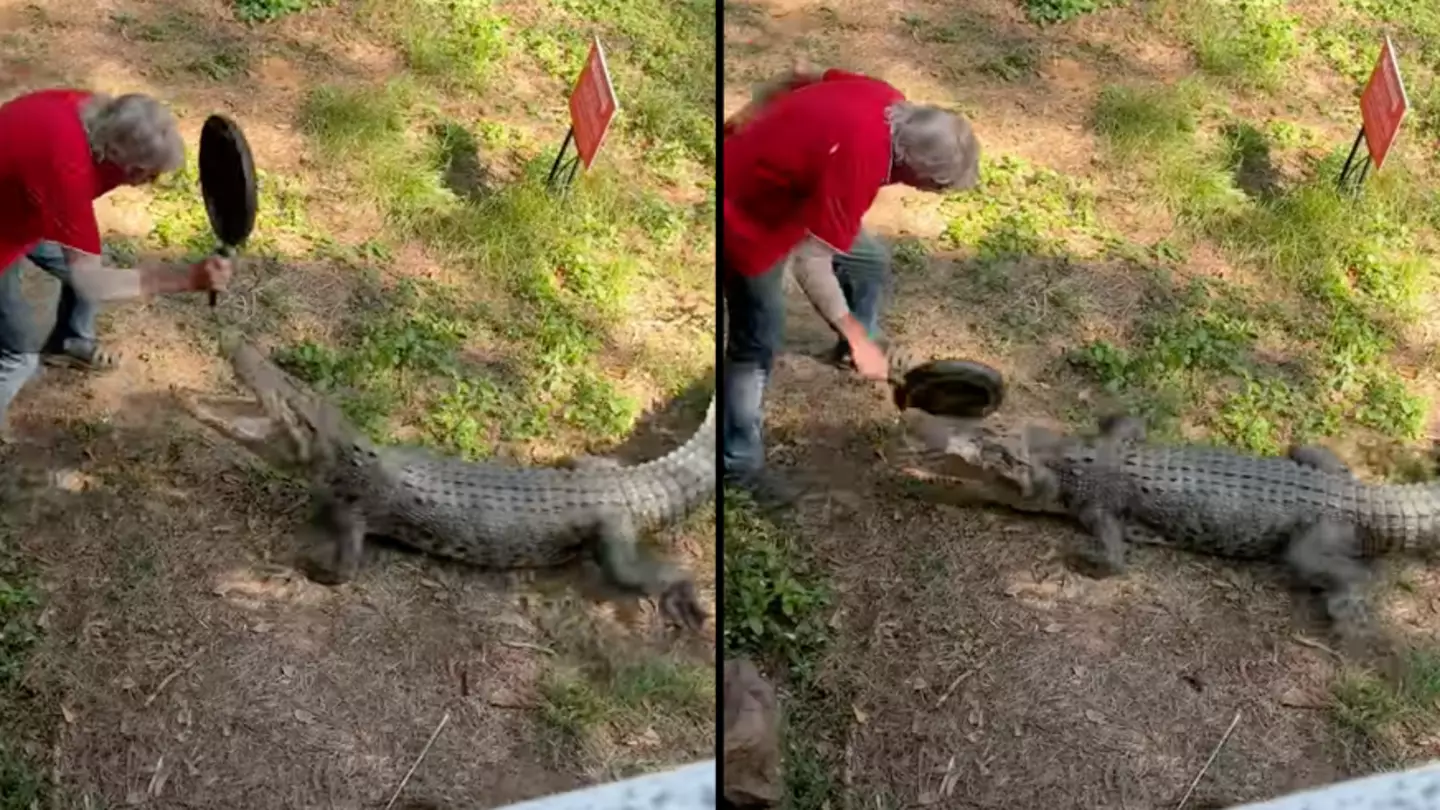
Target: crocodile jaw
<point>979,461</point>
<point>249,424</point>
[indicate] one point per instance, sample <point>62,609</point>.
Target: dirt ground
<point>185,662</point>
<point>979,671</point>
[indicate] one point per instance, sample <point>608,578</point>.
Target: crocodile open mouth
<point>972,460</point>
<point>245,421</point>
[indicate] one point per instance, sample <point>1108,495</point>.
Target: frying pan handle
<point>227,252</point>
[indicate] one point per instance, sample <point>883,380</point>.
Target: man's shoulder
<point>45,122</point>
<point>837,76</point>
<point>52,101</point>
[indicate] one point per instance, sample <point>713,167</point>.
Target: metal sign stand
<point>563,167</point>
<point>1349,180</point>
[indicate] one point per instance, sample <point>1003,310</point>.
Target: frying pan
<point>227,181</point>
<point>962,389</point>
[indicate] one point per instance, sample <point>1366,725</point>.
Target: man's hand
<point>870,360</point>
<point>211,274</point>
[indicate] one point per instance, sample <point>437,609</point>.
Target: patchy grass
<point>1134,120</point>
<point>775,601</point>
<point>777,605</point>
<point>22,782</point>
<point>1250,45</point>
<point>256,11</point>
<point>1059,11</point>
<point>1020,208</point>
<point>1381,716</point>
<point>459,44</point>
<point>1348,271</point>
<point>596,712</point>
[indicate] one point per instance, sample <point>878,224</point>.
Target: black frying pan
<point>227,181</point>
<point>961,389</point>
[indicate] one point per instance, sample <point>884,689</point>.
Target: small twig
<point>522,645</point>
<point>186,667</point>
<point>418,760</point>
<point>964,676</point>
<point>1209,762</point>
<point>1314,645</point>
<point>161,688</point>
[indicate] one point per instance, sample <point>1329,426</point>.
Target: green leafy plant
<point>266,10</point>
<point>775,603</point>
<point>1058,11</point>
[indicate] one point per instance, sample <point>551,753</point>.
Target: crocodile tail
<point>684,478</point>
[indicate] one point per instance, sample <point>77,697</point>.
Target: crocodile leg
<point>1321,458</point>
<point>1104,553</point>
<point>343,525</point>
<point>1119,430</point>
<point>634,572</point>
<point>1118,433</point>
<point>1326,556</point>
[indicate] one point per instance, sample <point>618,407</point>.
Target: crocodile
<point>490,515</point>
<point>1305,508</point>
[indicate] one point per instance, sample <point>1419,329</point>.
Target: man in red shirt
<point>803,163</point>
<point>60,150</point>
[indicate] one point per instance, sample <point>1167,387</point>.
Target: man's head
<point>935,150</point>
<point>136,134</point>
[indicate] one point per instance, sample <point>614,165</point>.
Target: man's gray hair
<point>133,131</point>
<point>935,144</point>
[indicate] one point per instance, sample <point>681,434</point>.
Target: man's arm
<point>95,281</point>
<point>814,269</point>
<point>800,75</point>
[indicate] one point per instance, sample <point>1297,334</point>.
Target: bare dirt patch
<point>969,666</point>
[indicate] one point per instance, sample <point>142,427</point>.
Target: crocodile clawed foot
<point>679,605</point>
<point>320,573</point>
<point>1095,567</point>
<point>1348,613</point>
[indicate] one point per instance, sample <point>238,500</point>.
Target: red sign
<point>1383,105</point>
<point>592,104</point>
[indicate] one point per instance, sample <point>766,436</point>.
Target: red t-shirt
<point>48,179</point>
<point>811,160</point>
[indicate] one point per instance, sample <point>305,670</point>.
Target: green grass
<point>1385,716</point>
<point>22,783</point>
<point>1019,208</point>
<point>776,602</point>
<point>1250,44</point>
<point>588,708</point>
<point>777,606</point>
<point>1058,11</point>
<point>459,43</point>
<point>259,11</point>
<point>661,57</point>
<point>555,275</point>
<point>1136,120</point>
<point>1341,277</point>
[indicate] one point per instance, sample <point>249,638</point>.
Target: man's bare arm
<point>95,281</point>
<point>800,75</point>
<point>814,269</point>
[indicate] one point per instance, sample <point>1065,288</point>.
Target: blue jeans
<point>755,310</point>
<point>20,351</point>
